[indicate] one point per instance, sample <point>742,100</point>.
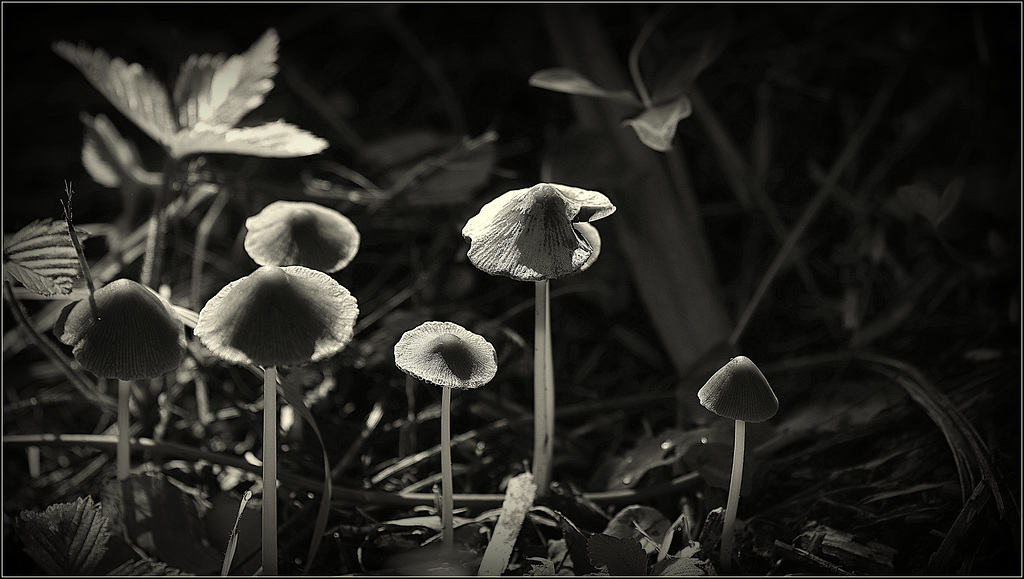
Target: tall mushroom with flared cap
<point>123,331</point>
<point>301,233</point>
<point>277,316</point>
<point>539,234</point>
<point>738,391</point>
<point>450,356</point>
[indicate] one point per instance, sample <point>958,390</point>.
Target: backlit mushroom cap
<point>137,335</point>
<point>446,354</point>
<point>739,391</point>
<point>529,234</point>
<point>278,316</point>
<point>301,233</point>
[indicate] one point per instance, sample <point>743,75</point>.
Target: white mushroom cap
<point>301,233</point>
<point>278,316</point>
<point>137,335</point>
<point>446,354</point>
<point>529,234</point>
<point>739,391</point>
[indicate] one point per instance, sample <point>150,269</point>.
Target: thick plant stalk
<point>447,498</point>
<point>270,471</point>
<point>124,394</point>
<point>543,390</point>
<point>728,526</point>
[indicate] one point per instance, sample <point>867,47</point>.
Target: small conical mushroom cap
<point>137,335</point>
<point>529,234</point>
<point>278,316</point>
<point>301,233</point>
<point>739,391</point>
<point>446,354</point>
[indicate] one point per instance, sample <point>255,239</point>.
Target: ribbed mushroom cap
<point>278,316</point>
<point>446,354</point>
<point>529,234</point>
<point>739,391</point>
<point>301,233</point>
<point>137,335</point>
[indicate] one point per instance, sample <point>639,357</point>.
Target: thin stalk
<point>543,390</point>
<point>124,394</point>
<point>728,532</point>
<point>270,471</point>
<point>80,253</point>
<point>447,498</point>
<point>151,260</point>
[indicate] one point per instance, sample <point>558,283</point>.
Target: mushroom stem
<point>270,471</point>
<point>543,390</point>
<point>728,533</point>
<point>447,499</point>
<point>124,394</point>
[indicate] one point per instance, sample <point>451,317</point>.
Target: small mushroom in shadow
<point>301,233</point>
<point>277,316</point>
<point>447,355</point>
<point>537,235</point>
<point>738,390</point>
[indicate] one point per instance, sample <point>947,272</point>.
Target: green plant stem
<point>447,499</point>
<point>270,471</point>
<point>543,390</point>
<point>728,531</point>
<point>124,394</point>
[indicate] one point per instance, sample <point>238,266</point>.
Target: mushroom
<point>738,390</point>
<point>123,331</point>
<point>539,234</point>
<point>301,233</point>
<point>277,316</point>
<point>446,355</point>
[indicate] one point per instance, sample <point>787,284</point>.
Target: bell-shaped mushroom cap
<point>446,354</point>
<point>137,335</point>
<point>278,316</point>
<point>301,233</point>
<point>739,391</point>
<point>529,234</point>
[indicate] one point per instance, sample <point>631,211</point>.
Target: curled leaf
<point>656,126</point>
<point>567,80</point>
<point>277,139</point>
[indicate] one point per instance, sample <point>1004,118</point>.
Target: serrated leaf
<point>277,139</point>
<point>657,126</point>
<point>685,567</point>
<point>110,159</point>
<point>131,88</point>
<point>620,556</point>
<point>576,545</point>
<point>144,567</point>
<point>567,80</point>
<point>518,500</point>
<point>41,257</point>
<point>67,538</point>
<point>214,91</point>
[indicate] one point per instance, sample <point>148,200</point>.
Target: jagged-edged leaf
<point>518,500</point>
<point>67,538</point>
<point>683,567</point>
<point>656,126</point>
<point>110,159</point>
<point>214,91</point>
<point>619,556</point>
<point>277,139</point>
<point>144,567</point>
<point>131,88</point>
<point>41,256</point>
<point>570,81</point>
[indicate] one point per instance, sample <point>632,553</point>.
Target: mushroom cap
<point>301,233</point>
<point>739,391</point>
<point>446,354</point>
<point>529,234</point>
<point>137,335</point>
<point>278,316</point>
